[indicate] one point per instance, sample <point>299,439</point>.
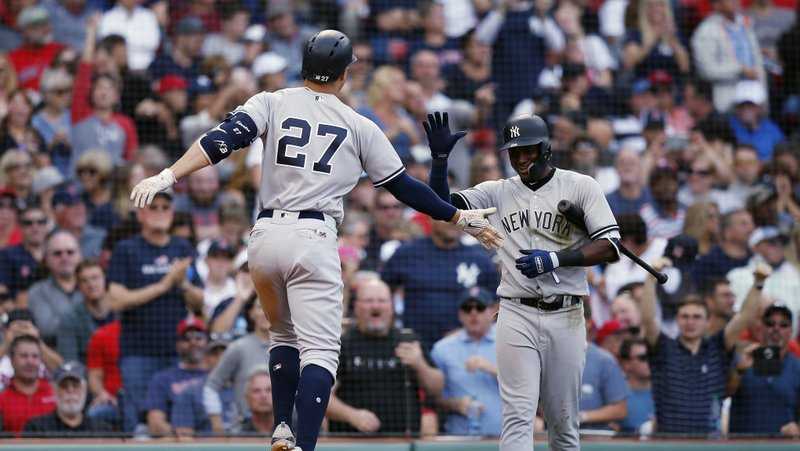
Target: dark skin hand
<point>594,252</point>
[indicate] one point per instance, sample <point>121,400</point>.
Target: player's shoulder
<point>575,179</point>
<point>491,186</point>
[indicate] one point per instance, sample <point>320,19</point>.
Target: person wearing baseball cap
<point>71,214</point>
<point>168,384</point>
<point>751,123</point>
<point>37,50</point>
<point>769,245</point>
<point>68,420</point>
<point>471,398</point>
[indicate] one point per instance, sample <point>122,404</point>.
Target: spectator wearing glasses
<point>641,412</point>
<point>53,120</point>
<point>765,384</point>
<point>731,252</point>
<point>690,372</point>
<point>147,275</point>
<point>167,385</point>
<point>387,214</point>
<point>769,246</point>
<point>53,298</point>
<point>720,300</point>
<point>94,174</point>
<point>95,311</point>
<point>468,360</point>
<point>71,215</point>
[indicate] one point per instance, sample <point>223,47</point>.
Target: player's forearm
<point>591,254</point>
<point>194,159</point>
<point>124,299</point>
<point>606,414</point>
<point>420,197</point>
<point>438,179</point>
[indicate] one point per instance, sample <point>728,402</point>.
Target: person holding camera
<point>381,371</point>
<point>765,383</point>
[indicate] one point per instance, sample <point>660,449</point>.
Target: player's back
<point>315,150</point>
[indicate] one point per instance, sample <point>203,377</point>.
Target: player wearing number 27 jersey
<point>317,132</point>
<point>315,150</point>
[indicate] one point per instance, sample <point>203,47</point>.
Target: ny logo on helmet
<point>514,132</point>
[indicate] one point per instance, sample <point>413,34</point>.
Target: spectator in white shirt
<point>138,26</point>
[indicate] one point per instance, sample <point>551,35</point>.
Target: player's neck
<point>331,88</point>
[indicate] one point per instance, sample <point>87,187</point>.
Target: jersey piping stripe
<point>390,177</point>
<point>602,230</point>
<point>464,198</point>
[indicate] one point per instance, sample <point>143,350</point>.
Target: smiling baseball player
<point>541,338</point>
<point>315,149</point>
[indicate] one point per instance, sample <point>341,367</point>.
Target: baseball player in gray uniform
<point>541,338</point>
<point>315,150</point>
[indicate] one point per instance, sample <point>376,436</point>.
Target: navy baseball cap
<point>70,370</point>
<point>220,249</point>
<point>477,295</point>
<point>190,25</point>
<point>66,194</point>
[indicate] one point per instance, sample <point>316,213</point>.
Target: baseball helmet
<point>528,130</point>
<point>326,56</point>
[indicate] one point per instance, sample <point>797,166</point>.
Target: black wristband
<point>570,257</point>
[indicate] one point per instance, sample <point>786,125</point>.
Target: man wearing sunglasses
<point>633,359</point>
<point>769,246</point>
<point>20,264</point>
<point>469,361</point>
<point>765,385</point>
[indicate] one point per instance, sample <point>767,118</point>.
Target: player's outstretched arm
<point>237,131</point>
<point>441,142</point>
<point>420,197</point>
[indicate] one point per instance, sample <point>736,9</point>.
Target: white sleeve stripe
<point>389,178</point>
<point>601,230</point>
<point>464,198</point>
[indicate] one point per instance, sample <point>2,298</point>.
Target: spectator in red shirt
<point>102,357</point>
<point>37,50</point>
<point>27,395</point>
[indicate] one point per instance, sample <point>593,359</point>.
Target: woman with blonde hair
<point>385,98</point>
<point>94,173</point>
<point>703,224</point>
<point>655,44</point>
<point>8,83</point>
<point>16,175</point>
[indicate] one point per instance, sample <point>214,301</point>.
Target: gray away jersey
<point>531,220</point>
<point>315,150</point>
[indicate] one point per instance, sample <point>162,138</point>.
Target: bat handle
<point>661,277</point>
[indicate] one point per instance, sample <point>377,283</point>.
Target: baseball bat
<point>575,215</point>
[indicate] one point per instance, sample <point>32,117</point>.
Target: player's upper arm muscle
<point>599,219</point>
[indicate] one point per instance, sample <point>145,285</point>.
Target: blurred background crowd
<point>117,321</point>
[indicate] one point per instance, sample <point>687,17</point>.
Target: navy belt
<point>306,214</point>
<point>561,301</point>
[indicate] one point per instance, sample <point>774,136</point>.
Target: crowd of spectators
<point>116,320</point>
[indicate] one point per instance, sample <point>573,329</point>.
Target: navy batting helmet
<point>326,56</point>
<point>528,130</point>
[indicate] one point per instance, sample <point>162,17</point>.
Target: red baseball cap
<point>609,327</point>
<point>192,323</point>
<point>171,82</point>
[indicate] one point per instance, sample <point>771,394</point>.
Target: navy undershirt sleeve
<point>438,179</point>
<point>420,197</point>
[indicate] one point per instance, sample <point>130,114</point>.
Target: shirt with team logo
<point>528,218</point>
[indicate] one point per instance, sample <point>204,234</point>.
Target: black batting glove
<point>440,140</point>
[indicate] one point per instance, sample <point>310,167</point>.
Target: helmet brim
<point>521,142</point>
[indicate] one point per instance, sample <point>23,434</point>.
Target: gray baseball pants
<point>540,355</point>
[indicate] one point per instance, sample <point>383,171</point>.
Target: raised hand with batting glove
<point>440,139</point>
<point>144,191</point>
<point>535,262</point>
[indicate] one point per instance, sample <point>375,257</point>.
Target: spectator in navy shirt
<point>731,252</point>
<point>690,372</point>
<point>604,392</point>
<point>433,272</point>
<point>148,286</point>
<point>20,264</point>
<point>168,385</point>
<point>767,403</point>
<point>633,358</point>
